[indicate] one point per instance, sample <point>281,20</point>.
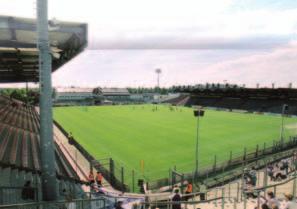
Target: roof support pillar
<point>48,177</point>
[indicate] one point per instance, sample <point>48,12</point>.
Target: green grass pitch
<point>164,138</point>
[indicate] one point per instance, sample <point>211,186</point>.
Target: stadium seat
<point>20,149</point>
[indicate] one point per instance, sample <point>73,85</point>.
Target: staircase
<point>78,162</point>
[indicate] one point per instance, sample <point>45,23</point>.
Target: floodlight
<point>199,113</point>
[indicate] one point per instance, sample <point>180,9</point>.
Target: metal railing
<point>98,203</point>
<point>260,193</point>
<point>276,187</point>
<point>219,197</point>
<point>170,204</point>
<point>235,162</point>
<point>13,195</point>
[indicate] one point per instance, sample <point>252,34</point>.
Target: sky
<point>192,41</point>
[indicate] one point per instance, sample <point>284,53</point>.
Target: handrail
<point>148,195</point>
<point>137,196</point>
<point>278,184</point>
<point>229,168</point>
<point>8,187</point>
<point>10,194</point>
<point>51,202</point>
<point>182,202</point>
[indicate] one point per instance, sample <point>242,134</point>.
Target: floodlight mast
<point>197,113</point>
<point>197,148</point>
<point>48,175</point>
<point>284,112</point>
<point>158,72</point>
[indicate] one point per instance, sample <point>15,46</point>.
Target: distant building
<point>116,95</point>
<point>74,96</point>
<point>142,98</point>
<point>102,96</point>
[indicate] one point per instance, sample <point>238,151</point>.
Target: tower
<point>158,71</point>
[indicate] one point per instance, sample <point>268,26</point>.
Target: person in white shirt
<point>271,200</point>
<point>290,204</point>
<point>175,187</point>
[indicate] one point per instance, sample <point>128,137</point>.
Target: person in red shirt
<point>91,178</point>
<point>99,179</point>
<point>189,190</point>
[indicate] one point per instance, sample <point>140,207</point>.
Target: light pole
<point>197,113</point>
<point>284,111</point>
<point>158,72</point>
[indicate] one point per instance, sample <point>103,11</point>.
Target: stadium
<point>209,146</point>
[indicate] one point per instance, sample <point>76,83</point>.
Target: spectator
<point>270,172</point>
<point>253,176</point>
<point>286,166</point>
<point>276,172</point>
<point>189,190</point>
<point>69,204</point>
<point>291,164</point>
<point>250,192</point>
<point>100,191</point>
<point>119,205</point>
<point>271,200</point>
<point>202,190</point>
<point>70,136</point>
<point>246,175</point>
<point>290,204</point>
<point>175,187</point>
<point>263,206</point>
<point>28,192</point>
<point>91,178</point>
<point>64,194</point>
<point>176,199</point>
<point>294,160</point>
<point>279,173</point>
<point>274,206</point>
<point>99,179</point>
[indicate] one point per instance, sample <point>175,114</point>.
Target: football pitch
<point>165,138</point>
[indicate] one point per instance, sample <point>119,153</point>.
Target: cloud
<point>173,24</point>
<point>242,42</point>
<point>278,66</point>
<point>169,41</point>
<point>227,29</point>
<point>180,67</point>
<point>136,67</point>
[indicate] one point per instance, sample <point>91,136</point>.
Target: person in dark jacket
<point>28,192</point>
<point>176,199</point>
<point>119,205</point>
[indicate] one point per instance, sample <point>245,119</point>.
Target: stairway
<point>79,163</point>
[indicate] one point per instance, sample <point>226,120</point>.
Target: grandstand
<point>180,100</point>
<point>20,152</point>
<point>72,96</point>
<point>248,99</point>
<point>113,95</point>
